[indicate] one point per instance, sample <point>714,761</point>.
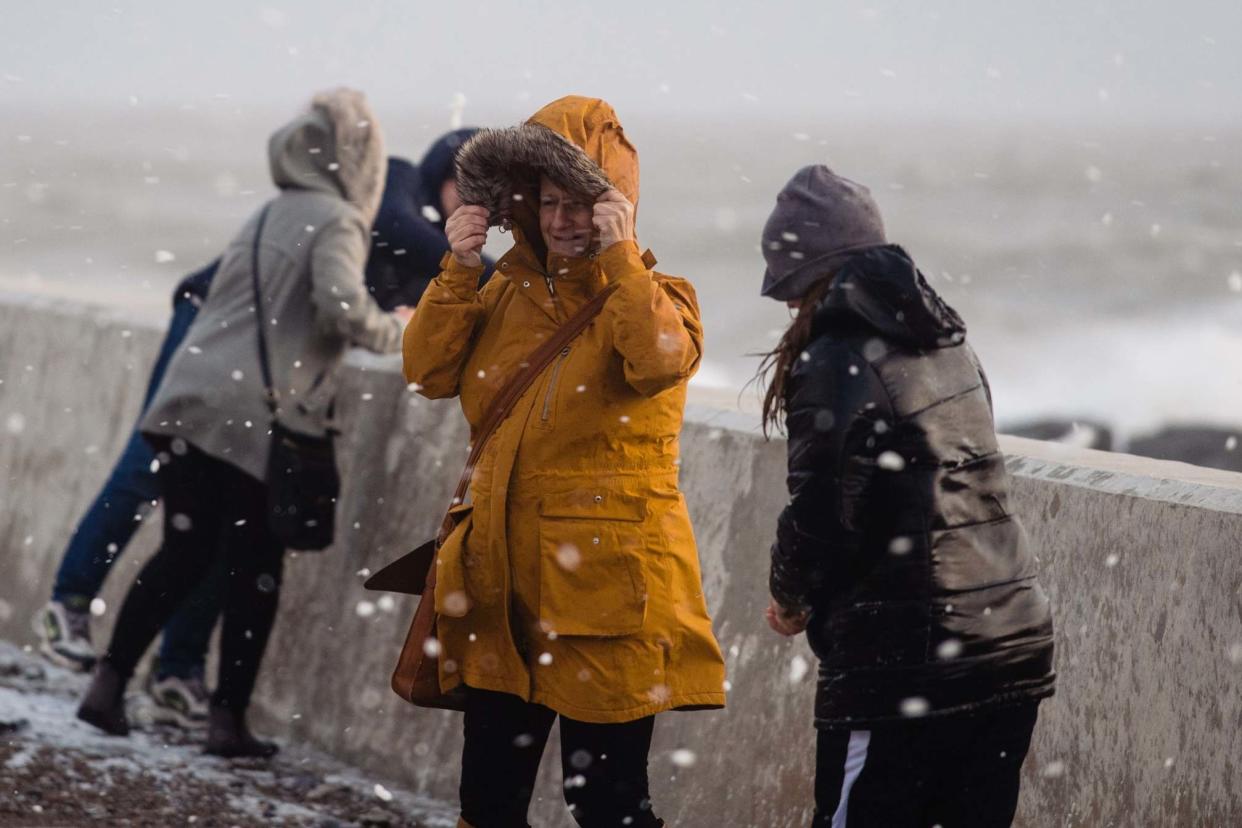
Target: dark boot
<point>104,702</point>
<point>228,736</point>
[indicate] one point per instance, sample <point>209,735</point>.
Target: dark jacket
<point>899,535</point>
<point>193,288</point>
<point>407,239</point>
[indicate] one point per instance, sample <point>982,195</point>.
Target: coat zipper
<point>547,395</point>
<point>556,302</point>
<point>556,369</point>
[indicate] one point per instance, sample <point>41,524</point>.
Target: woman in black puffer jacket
<point>898,553</point>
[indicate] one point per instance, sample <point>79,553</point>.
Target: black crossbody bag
<point>302,480</point>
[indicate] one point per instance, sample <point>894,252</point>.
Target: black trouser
<point>604,765</point>
<point>953,771</point>
<point>211,509</point>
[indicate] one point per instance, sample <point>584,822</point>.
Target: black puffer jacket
<point>898,535</point>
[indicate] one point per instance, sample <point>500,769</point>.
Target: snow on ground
<point>58,771</point>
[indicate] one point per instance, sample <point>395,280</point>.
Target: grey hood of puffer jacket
<point>335,147</point>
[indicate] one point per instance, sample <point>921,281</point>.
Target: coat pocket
<point>592,580</point>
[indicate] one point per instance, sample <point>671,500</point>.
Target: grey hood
<point>819,220</point>
<point>335,147</point>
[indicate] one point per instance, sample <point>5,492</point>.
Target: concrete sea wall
<point>1141,558</point>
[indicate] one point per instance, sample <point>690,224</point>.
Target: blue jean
<point>112,519</point>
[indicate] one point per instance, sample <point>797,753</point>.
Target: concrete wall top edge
<point>93,310</point>
<point>1124,474</point>
<point>1112,472</point>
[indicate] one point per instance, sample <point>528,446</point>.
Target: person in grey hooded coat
<point>209,420</point>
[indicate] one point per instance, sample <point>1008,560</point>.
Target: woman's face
<point>564,220</point>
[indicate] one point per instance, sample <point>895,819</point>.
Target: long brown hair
<point>777,363</point>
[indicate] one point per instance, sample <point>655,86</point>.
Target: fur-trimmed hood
<point>335,147</point>
<point>577,142</point>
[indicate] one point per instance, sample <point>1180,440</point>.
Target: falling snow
<point>683,757</point>
<point>568,557</point>
<point>900,545</point>
<point>890,461</point>
<point>914,706</point>
<point>456,604</point>
<point>1053,770</point>
<point>949,648</point>
<point>798,668</point>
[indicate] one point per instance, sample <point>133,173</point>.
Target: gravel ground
<point>57,771</point>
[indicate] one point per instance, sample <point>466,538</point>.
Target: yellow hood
<point>577,142</point>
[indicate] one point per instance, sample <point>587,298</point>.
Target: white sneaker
<point>178,701</point>
<point>65,636</point>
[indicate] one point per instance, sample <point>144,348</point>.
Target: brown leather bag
<point>417,676</point>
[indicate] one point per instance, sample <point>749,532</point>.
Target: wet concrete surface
<point>58,771</point>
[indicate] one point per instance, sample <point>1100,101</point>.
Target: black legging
<point>211,508</point>
<point>962,770</point>
<point>604,765</point>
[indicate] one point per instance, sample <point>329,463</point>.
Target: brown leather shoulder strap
<point>512,391</point>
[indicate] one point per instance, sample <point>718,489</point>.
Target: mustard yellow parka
<point>574,580</point>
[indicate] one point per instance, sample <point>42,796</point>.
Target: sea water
<point>1098,268</point>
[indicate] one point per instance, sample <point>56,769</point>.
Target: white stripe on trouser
<point>855,758</point>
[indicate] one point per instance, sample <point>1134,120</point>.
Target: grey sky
<point>1146,62</point>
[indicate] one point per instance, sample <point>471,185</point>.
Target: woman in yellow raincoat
<point>573,587</point>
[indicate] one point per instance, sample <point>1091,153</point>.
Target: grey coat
<point>329,163</point>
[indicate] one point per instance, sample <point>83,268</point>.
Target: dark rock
<point>302,782</point>
<point>376,818</point>
<point>1210,446</point>
<point>8,726</point>
<point>324,790</point>
<point>1081,433</point>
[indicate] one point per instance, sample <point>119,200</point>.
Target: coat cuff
<point>461,281</point>
<point>622,259</point>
